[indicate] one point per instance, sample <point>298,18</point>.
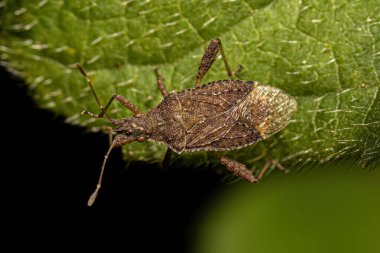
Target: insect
<point>218,116</point>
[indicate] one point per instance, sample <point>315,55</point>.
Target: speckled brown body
<point>221,115</point>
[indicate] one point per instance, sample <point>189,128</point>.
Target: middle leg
<point>164,92</point>
<point>160,82</point>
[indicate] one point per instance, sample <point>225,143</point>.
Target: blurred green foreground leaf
<point>332,209</point>
<point>325,53</point>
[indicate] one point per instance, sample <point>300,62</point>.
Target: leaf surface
<point>324,53</point>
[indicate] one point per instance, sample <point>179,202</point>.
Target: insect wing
<point>268,108</point>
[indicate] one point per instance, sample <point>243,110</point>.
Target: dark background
<point>50,168</point>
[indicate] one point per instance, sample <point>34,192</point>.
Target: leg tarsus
<point>92,115</point>
<point>279,166</point>
<point>237,71</point>
<point>267,166</point>
<point>264,169</point>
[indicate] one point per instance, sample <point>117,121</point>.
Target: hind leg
<point>241,170</point>
<point>268,165</point>
<point>237,168</point>
<point>208,59</point>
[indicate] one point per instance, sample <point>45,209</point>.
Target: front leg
<point>122,100</point>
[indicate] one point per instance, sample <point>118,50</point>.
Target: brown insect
<point>218,116</point>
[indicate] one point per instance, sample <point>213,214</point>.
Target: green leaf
<point>331,211</point>
<point>324,53</point>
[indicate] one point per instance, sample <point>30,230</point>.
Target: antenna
<point>93,196</point>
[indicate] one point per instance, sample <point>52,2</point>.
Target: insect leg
<point>236,168</point>
<point>164,92</point>
<point>117,141</point>
<point>119,98</point>
<point>123,101</point>
<point>160,82</point>
<point>267,167</point>
<point>228,69</point>
<point>208,59</point>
